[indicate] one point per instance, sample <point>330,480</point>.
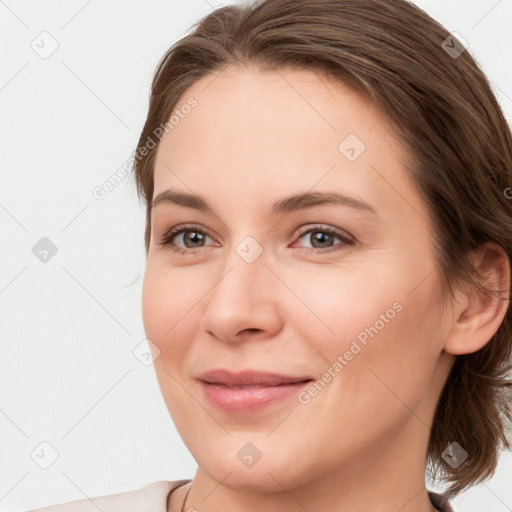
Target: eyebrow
<point>285,205</point>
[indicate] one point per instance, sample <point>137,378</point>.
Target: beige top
<point>154,498</point>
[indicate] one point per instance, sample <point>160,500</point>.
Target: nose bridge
<point>245,270</point>
<point>241,297</point>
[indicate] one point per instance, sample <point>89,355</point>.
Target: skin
<point>360,444</point>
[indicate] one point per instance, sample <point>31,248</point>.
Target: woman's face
<point>345,293</point>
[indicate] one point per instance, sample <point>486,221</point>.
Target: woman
<point>328,237</point>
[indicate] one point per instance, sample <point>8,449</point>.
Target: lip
<point>250,390</point>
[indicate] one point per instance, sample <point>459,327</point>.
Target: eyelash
<point>168,237</point>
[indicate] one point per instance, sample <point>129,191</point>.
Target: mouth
<point>248,378</point>
<point>258,386</point>
<point>248,392</point>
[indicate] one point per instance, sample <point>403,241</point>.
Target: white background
<point>68,375</point>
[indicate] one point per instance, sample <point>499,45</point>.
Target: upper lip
<point>248,377</point>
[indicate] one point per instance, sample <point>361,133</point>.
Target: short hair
<point>460,159</point>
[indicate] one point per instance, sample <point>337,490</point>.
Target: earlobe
<point>477,316</point>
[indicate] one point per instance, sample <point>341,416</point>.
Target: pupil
<point>194,234</point>
<point>320,237</point>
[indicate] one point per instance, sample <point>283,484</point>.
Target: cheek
<point>167,309</point>
<point>335,305</point>
<point>400,344</point>
<point>374,320</point>
<point>169,322</point>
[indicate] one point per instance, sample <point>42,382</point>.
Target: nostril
<point>251,329</point>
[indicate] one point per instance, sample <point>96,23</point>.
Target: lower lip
<point>247,400</point>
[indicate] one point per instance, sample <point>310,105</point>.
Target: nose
<point>245,301</point>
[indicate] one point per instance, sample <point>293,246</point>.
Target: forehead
<point>269,110</point>
<point>260,132</point>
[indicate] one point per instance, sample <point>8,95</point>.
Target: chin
<point>271,473</point>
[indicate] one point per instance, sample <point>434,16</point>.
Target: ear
<point>476,317</point>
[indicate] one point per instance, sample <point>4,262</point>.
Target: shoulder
<point>152,497</point>
<point>440,501</point>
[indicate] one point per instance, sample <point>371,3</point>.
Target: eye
<point>193,235</point>
<point>320,236</point>
<point>194,238</point>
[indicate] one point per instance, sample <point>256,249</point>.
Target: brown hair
<point>460,144</point>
